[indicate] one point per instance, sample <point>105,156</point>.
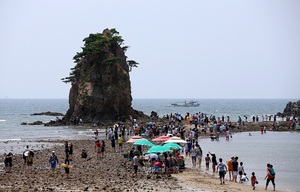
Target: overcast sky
<point>186,49</point>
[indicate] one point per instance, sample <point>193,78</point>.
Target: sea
<point>278,148</point>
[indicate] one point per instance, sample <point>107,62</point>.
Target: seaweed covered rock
<point>101,88</point>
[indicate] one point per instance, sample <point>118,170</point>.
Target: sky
<point>186,49</point>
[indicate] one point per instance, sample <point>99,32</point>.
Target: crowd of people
<point>169,162</point>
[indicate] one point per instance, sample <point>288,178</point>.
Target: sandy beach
<point>111,173</point>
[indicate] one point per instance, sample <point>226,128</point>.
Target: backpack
<point>272,171</point>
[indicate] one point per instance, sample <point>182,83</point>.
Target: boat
<point>186,104</point>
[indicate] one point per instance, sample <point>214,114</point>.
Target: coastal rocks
<point>48,113</point>
<point>34,123</point>
<point>292,109</point>
<point>101,88</point>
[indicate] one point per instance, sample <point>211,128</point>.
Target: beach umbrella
<point>161,138</point>
<point>175,140</point>
<point>158,149</point>
<point>143,142</point>
<point>134,139</point>
<point>173,145</point>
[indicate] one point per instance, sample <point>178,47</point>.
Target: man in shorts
<point>222,171</point>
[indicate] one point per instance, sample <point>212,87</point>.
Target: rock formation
<point>292,109</point>
<point>101,89</point>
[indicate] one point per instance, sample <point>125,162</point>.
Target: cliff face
<point>101,89</point>
<point>292,108</point>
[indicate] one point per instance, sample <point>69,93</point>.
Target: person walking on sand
<point>53,160</point>
<point>222,171</point>
<point>270,176</point>
<point>253,180</point>
<point>229,166</point>
<point>207,161</point>
<point>135,162</point>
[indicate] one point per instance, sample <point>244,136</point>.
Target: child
<point>207,161</point>
<point>244,178</point>
<point>241,171</point>
<point>53,161</point>
<point>253,180</point>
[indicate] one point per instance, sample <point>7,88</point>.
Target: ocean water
<point>279,149</point>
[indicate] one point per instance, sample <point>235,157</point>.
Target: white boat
<point>186,104</point>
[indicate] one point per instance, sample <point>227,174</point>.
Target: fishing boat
<point>186,104</point>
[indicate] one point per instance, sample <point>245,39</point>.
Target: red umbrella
<point>161,138</point>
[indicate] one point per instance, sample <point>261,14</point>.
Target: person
<point>214,161</point>
<point>131,154</point>
<point>98,149</point>
<point>66,148</point>
<point>193,155</point>
<point>235,165</point>
<point>120,143</point>
<point>229,166</point>
<point>8,162</point>
<point>83,153</point>
<point>253,180</point>
<point>199,155</point>
<point>70,145</point>
<point>102,148</point>
<point>270,177</point>
<point>222,171</point>
<point>241,171</point>
<point>135,162</point>
<point>96,139</point>
<point>189,147</point>
<point>53,160</point>
<point>207,161</point>
<point>157,165</point>
<point>67,169</point>
<point>25,153</point>
<point>29,158</point>
<point>113,143</point>
<point>244,178</point>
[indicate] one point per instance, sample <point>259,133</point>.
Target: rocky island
<point>101,88</point>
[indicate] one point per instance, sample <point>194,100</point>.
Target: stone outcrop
<point>101,88</point>
<point>292,109</point>
<point>49,113</point>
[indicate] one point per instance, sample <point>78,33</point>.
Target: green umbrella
<point>143,142</point>
<point>158,149</point>
<point>173,146</point>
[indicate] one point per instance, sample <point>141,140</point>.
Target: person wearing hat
<point>53,161</point>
